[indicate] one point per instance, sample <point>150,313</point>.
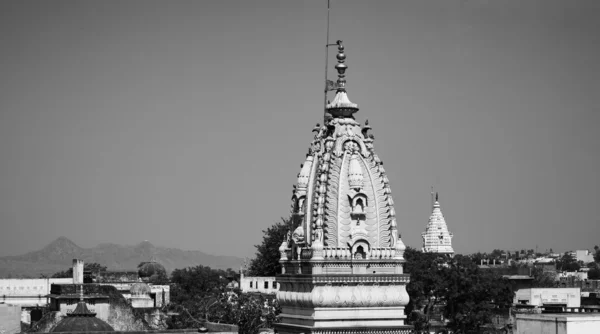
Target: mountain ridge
<point>59,254</point>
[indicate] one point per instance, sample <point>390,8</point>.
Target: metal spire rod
<point>326,61</point>
<point>432,197</point>
<point>327,45</point>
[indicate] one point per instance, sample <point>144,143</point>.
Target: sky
<point>185,122</point>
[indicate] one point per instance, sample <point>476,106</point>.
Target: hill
<point>59,254</point>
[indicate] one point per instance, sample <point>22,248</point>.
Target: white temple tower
<point>342,264</point>
<point>437,238</point>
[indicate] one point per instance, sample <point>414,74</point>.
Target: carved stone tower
<point>437,238</point>
<point>342,265</point>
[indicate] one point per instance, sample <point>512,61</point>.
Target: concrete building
<point>584,256</point>
<point>28,293</point>
<point>342,260</point>
<point>549,297</point>
<point>437,238</point>
<point>266,285</point>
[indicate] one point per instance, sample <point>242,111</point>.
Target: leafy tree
<point>467,294</point>
<point>597,254</point>
<point>199,294</point>
<point>424,277</point>
<point>266,262</point>
<point>471,294</point>
<point>567,263</point>
<point>594,273</point>
<point>496,254</point>
<point>93,267</point>
<point>254,312</point>
<point>543,279</point>
<point>194,292</point>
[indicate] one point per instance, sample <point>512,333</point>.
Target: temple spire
<point>437,238</point>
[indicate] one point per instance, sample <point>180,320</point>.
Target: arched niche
<point>360,249</point>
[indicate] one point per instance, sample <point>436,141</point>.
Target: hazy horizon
<point>185,122</point>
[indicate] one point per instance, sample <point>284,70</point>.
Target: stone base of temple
<point>343,303</point>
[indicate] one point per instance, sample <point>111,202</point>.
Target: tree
<point>200,294</point>
<point>93,267</point>
<point>254,312</point>
<point>266,262</point>
<point>594,273</point>
<point>567,263</point>
<point>194,293</point>
<point>597,254</point>
<point>543,279</point>
<point>466,293</point>
<point>471,294</point>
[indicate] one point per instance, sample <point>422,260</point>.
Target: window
<point>266,285</point>
<point>250,284</point>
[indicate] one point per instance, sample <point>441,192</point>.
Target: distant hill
<point>59,255</point>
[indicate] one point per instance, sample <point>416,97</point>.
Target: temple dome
<point>148,269</point>
<point>81,320</point>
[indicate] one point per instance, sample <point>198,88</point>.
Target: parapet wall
<point>117,276</point>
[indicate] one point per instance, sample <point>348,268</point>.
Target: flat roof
<point>560,316</point>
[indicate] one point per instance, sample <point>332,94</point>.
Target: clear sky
<point>185,122</point>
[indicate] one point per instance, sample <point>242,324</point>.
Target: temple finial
<point>341,67</point>
<point>437,196</point>
<point>341,105</point>
<point>81,293</point>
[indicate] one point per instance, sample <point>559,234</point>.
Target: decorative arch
<point>359,246</point>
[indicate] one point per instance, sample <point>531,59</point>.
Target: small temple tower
<point>437,238</point>
<point>342,260</point>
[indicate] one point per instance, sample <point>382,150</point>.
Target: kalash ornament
<point>342,260</point>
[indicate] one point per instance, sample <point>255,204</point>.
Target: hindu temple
<point>437,238</point>
<point>342,260</point>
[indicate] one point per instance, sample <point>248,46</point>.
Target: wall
<point>257,284</point>
<point>557,323</point>
<point>10,319</point>
<point>117,276</point>
<point>28,291</point>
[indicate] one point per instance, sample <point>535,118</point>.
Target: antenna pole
<point>326,61</point>
<point>432,197</point>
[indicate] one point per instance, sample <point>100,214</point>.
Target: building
<point>584,256</point>
<point>65,298</point>
<point>558,323</point>
<point>437,238</point>
<point>342,259</point>
<point>549,297</point>
<point>266,285</point>
<point>81,319</point>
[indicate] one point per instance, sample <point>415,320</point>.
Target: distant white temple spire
<point>437,238</point>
